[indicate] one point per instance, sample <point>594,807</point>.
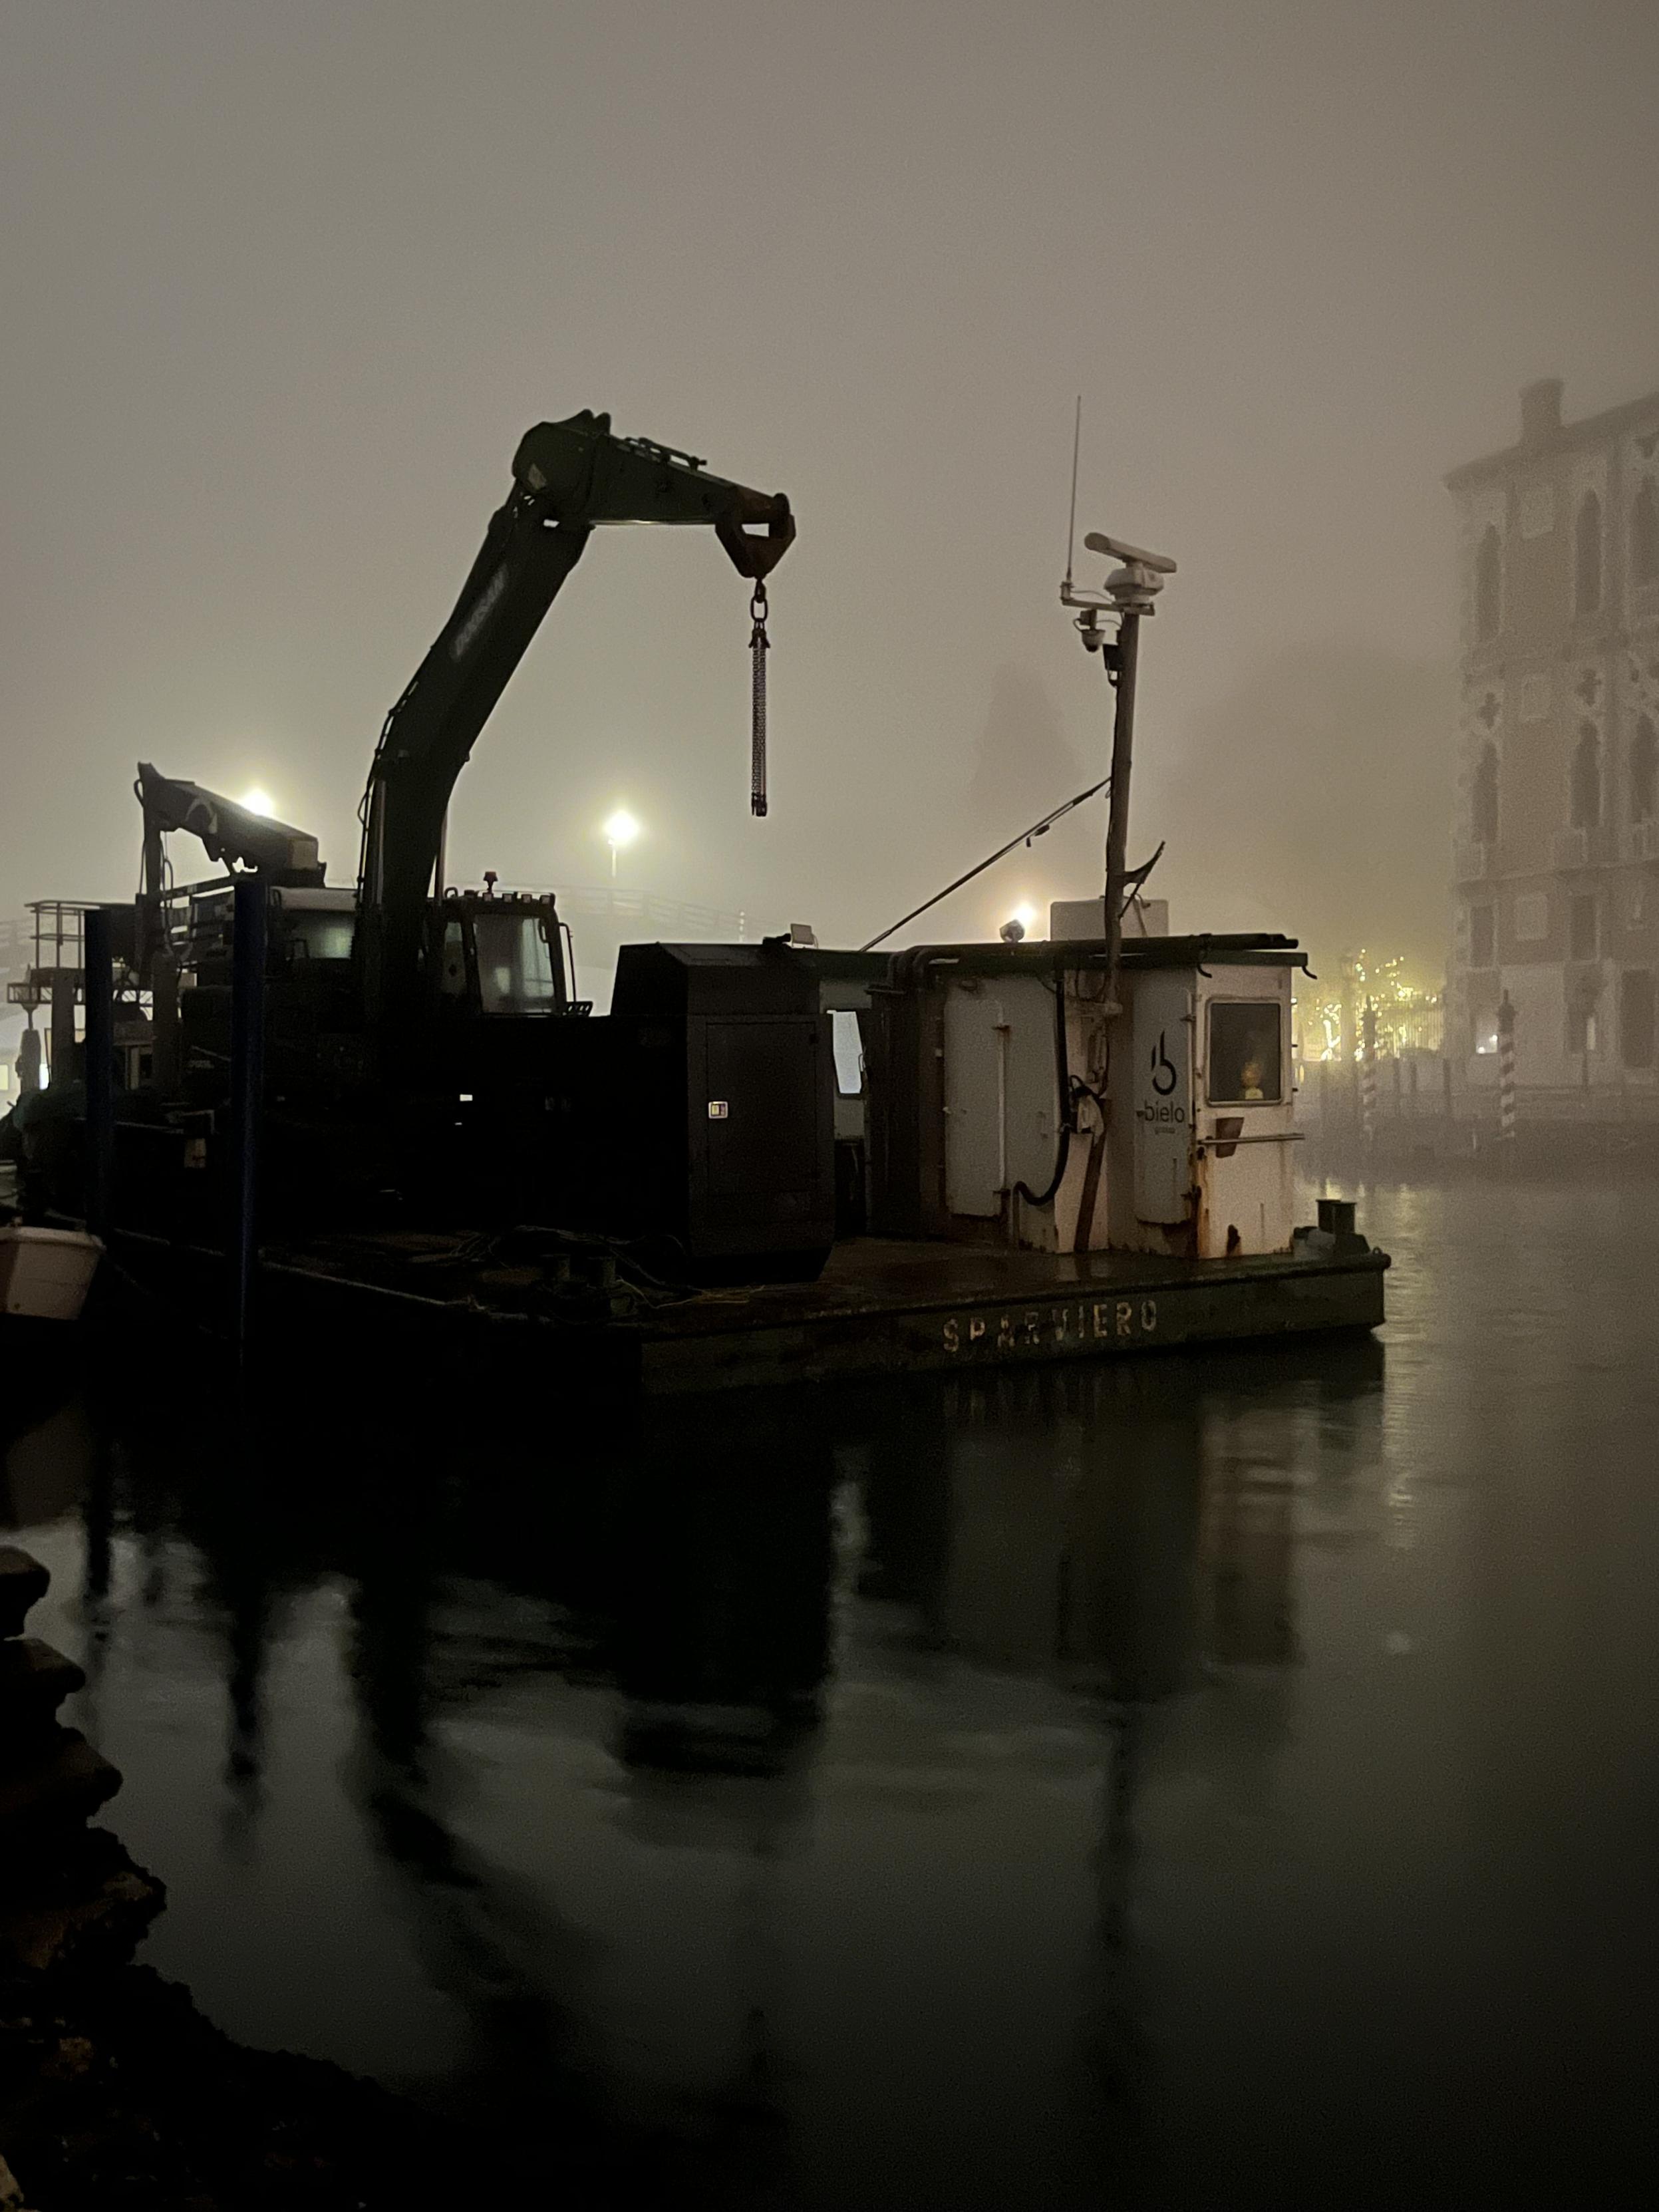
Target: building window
<point>1483,801</point>
<point>1587,565</point>
<point>1532,917</point>
<point>1584,934</point>
<point>1482,937</point>
<point>1587,779</point>
<point>1636,1017</point>
<point>1581,1030</point>
<point>1644,772</point>
<point>1535,698</point>
<point>1645,534</point>
<point>1488,583</point>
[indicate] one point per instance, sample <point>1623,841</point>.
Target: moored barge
<point>312,1111</point>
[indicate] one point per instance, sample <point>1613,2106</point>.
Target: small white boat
<point>45,1273</point>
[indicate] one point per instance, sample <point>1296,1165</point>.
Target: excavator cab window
<point>518,973</point>
<point>451,960</point>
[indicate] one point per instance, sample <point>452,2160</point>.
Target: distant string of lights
<point>1409,1016</point>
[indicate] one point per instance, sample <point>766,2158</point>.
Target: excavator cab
<point>496,955</point>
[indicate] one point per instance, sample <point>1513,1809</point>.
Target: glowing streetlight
<point>257,800</point>
<point>1020,924</point>
<point>620,831</point>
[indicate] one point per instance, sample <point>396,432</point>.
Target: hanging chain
<point>758,648</point>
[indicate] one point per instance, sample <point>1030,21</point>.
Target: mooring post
<point>247,1040</point>
<point>98,984</point>
<point>1505,1070</point>
<point>1368,1075</point>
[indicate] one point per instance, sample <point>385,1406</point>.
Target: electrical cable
<point>1068,1109</point>
<point>1037,829</point>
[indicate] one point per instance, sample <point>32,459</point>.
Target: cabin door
<point>1162,1091</point>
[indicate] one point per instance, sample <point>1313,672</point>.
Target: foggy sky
<point>282,285</point>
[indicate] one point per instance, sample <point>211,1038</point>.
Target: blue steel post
<point>97,985</point>
<point>247,1054</point>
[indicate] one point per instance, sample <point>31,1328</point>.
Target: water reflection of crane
<point>1110,1530</point>
<point>721,1654</point>
<point>671,1593</point>
<point>380,1515</point>
<point>490,1940</point>
<point>687,1577</point>
<point>1059,1538</point>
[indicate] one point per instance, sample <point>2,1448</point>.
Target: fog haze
<point>282,286</point>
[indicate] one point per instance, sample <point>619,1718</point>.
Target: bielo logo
<point>1164,1078</point>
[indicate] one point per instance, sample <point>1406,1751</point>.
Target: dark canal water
<point>1205,1784</point>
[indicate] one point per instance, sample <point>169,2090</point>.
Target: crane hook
<point>759,645</point>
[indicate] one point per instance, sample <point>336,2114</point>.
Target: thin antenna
<point>1070,527</point>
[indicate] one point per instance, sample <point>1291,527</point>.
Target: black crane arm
<point>568,478</point>
<point>231,833</point>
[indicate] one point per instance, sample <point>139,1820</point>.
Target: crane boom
<point>568,478</point>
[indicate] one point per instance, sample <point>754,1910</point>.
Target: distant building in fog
<point>1557,837</point>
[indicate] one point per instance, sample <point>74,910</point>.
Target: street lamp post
<point>620,831</point>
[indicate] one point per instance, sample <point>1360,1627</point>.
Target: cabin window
<point>1644,535</point>
<point>1488,584</point>
<point>321,936</point>
<point>1483,799</point>
<point>515,964</point>
<point>1644,773</point>
<point>1587,566</point>
<point>849,1052</point>
<point>1587,779</point>
<point>1245,1055</point>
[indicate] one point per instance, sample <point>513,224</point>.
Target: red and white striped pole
<point>1505,1071</point>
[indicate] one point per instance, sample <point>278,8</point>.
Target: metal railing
<point>644,914</point>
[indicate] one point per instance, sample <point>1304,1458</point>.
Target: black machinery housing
<point>724,1137</point>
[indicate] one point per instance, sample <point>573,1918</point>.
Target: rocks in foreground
<point>115,2093</point>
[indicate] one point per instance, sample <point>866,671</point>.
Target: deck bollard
<point>247,1040</point>
<point>98,983</point>
<point>1336,1217</point>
